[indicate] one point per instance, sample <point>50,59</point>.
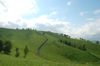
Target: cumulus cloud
<point>69,3</point>
<point>90,30</point>
<point>11,11</point>
<point>45,23</point>
<point>97,11</point>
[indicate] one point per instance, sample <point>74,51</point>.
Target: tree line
<point>6,46</point>
<point>66,36</point>
<point>81,47</point>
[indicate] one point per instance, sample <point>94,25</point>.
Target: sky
<point>77,18</point>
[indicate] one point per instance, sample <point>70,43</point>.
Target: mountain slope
<point>54,52</point>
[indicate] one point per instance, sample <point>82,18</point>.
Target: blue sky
<point>77,18</point>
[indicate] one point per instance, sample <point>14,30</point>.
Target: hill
<point>52,52</point>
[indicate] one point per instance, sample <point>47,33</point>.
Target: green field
<point>53,52</point>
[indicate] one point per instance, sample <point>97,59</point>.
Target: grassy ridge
<point>58,53</point>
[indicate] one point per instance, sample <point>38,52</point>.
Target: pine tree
<point>17,52</point>
<point>25,51</point>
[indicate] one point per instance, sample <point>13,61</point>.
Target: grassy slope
<point>56,52</point>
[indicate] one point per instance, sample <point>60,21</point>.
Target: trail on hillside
<point>38,53</point>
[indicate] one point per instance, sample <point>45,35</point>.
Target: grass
<point>58,53</point>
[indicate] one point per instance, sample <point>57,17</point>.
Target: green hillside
<point>52,53</point>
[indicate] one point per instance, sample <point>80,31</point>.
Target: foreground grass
<point>6,60</point>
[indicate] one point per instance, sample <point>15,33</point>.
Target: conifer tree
<point>17,52</point>
<point>25,51</point>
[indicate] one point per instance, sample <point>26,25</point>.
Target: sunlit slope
<point>20,38</point>
<point>33,39</point>
<point>91,48</point>
<point>56,51</point>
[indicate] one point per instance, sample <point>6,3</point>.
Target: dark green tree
<point>66,42</point>
<point>1,45</point>
<point>74,45</point>
<point>80,47</point>
<point>69,43</point>
<point>97,42</point>
<point>61,34</point>
<point>17,52</point>
<point>7,47</point>
<point>25,51</point>
<point>43,33</point>
<point>60,40</point>
<point>83,47</point>
<point>69,37</point>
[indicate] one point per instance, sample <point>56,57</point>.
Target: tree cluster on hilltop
<point>26,29</point>
<point>66,36</point>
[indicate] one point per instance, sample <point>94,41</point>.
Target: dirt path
<point>38,53</point>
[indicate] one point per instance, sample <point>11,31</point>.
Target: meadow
<point>53,52</point>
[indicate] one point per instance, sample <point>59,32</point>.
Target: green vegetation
<point>53,53</point>
<point>17,52</point>
<point>81,47</point>
<point>25,51</point>
<point>1,45</point>
<point>5,46</point>
<point>97,42</point>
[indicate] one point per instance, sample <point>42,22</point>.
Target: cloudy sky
<point>77,18</point>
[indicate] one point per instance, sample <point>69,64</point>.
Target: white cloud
<point>45,23</point>
<point>11,10</point>
<point>97,11</point>
<point>82,13</point>
<point>90,30</point>
<point>69,3</point>
<point>20,6</point>
<point>53,13</point>
<point>90,19</point>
